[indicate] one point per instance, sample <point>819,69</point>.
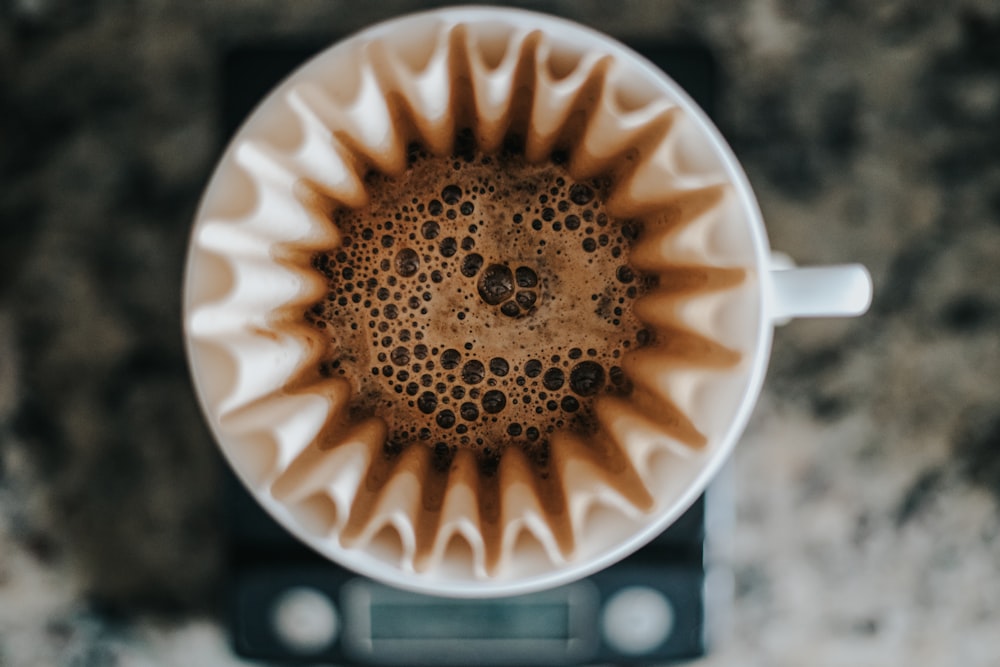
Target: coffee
<point>480,302</point>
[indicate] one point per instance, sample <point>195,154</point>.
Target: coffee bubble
<point>471,264</point>
<point>448,247</point>
<point>510,309</point>
<point>407,262</point>
<point>586,378</point>
<point>496,284</point>
<point>427,402</point>
<point>445,419</point>
<point>451,194</point>
<point>570,404</point>
<point>430,229</point>
<point>450,359</point>
<point>526,299</point>
<point>473,372</point>
<point>525,277</point>
<point>580,194</point>
<point>494,401</point>
<point>499,366</point>
<point>553,379</point>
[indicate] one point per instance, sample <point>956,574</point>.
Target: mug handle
<point>843,290</point>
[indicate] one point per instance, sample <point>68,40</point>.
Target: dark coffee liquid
<point>480,302</point>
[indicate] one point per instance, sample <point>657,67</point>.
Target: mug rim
<point>357,560</point>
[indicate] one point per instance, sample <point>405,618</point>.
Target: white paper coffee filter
<point>357,106</point>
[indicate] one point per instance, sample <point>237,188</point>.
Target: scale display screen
<point>470,620</point>
<point>388,625</point>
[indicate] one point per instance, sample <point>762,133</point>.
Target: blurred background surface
<point>867,485</point>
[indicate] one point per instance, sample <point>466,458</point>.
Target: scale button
<point>305,620</point>
<point>637,620</point>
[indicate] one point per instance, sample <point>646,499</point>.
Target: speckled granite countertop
<point>867,484</point>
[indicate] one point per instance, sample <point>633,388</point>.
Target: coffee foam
<point>306,155</point>
<point>480,301</point>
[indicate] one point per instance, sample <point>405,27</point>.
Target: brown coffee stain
<point>668,213</point>
<point>384,475</point>
<point>577,112</point>
<point>270,334</point>
<point>462,103</point>
<point>445,498</point>
<point>607,461</point>
<point>678,348</point>
<point>489,496</point>
<point>550,490</point>
<point>651,409</point>
<point>527,491</point>
<point>313,466</point>
<point>570,138</point>
<point>628,157</point>
<point>518,116</point>
<point>336,391</point>
<point>676,281</point>
<point>490,127</point>
<point>364,160</point>
<point>436,478</point>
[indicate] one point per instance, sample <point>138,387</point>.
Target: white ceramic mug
<point>774,292</point>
